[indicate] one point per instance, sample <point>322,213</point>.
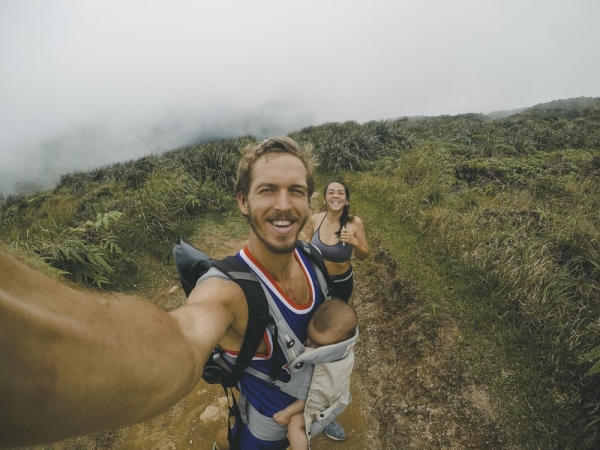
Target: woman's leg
<point>343,285</point>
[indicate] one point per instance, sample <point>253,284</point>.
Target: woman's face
<point>335,197</point>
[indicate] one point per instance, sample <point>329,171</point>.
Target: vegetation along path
<point>408,391</point>
<point>479,305</point>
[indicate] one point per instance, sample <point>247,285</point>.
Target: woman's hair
<point>336,315</point>
<point>253,152</point>
<point>345,217</point>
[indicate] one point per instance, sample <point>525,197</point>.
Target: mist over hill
<point>38,165</point>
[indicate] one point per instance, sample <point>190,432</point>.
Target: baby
<point>334,321</point>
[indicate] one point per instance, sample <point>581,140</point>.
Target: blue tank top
<point>268,399</point>
<point>338,253</point>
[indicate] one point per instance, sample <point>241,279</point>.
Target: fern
<point>87,252</point>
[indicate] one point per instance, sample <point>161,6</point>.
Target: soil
<point>408,391</point>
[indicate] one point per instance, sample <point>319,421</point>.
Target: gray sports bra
<point>338,253</point>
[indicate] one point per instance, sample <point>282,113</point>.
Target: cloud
<point>147,75</point>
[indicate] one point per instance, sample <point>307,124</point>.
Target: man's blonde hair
<point>252,152</point>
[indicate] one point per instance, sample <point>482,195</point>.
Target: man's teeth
<point>282,223</point>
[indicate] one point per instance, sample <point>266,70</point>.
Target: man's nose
<point>282,202</point>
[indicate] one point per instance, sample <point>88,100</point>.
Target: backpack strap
<point>258,310</point>
<point>314,254</point>
<point>258,318</point>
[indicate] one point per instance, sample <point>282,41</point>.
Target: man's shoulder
<point>217,289</point>
<point>224,294</point>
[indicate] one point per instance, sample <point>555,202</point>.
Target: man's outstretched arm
<point>73,362</point>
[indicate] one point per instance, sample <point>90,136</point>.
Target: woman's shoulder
<point>356,220</point>
<point>317,216</point>
<point>311,225</point>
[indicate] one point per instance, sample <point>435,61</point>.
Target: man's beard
<point>279,247</point>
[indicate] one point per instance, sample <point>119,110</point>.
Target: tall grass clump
<point>213,162</point>
<point>351,146</point>
<point>88,252</point>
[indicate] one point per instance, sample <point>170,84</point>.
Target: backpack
<point>191,264</point>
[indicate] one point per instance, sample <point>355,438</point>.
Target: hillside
<point>567,109</point>
<point>479,306</point>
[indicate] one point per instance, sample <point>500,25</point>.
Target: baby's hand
<point>282,417</point>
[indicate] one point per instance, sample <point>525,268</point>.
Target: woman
<point>336,233</point>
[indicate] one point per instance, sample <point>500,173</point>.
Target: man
<point>72,364</point>
<point>274,186</point>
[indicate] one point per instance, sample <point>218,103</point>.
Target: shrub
<point>86,253</point>
<point>347,147</point>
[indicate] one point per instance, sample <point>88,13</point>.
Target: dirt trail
<point>193,422</point>
<point>408,390</point>
<point>407,387</point>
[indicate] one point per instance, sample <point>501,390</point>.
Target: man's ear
<point>242,203</point>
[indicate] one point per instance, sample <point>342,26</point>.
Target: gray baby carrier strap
<point>321,355</point>
<point>287,343</point>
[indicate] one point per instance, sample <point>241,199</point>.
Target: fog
<point>83,84</point>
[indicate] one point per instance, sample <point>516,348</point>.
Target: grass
<point>494,223</point>
<point>514,267</point>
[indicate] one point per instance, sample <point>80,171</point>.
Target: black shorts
<point>343,285</point>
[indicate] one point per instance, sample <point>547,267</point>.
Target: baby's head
<point>334,321</point>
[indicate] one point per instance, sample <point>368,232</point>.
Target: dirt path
<point>413,391</point>
<point>193,422</point>
<point>408,390</point>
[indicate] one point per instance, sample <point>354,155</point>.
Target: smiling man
<point>274,185</point>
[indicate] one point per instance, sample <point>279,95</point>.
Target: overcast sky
<point>88,82</point>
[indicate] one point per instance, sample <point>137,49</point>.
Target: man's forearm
<point>73,363</point>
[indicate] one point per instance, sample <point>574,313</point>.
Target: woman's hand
<point>356,238</point>
<point>347,238</point>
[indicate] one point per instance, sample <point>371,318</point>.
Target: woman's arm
<point>354,234</point>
